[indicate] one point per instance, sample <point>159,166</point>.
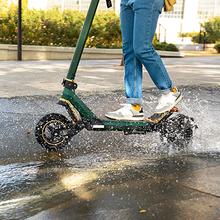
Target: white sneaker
<point>169,100</point>
<point>127,112</point>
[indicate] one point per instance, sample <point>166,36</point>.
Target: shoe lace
<point>125,107</point>
<point>165,98</point>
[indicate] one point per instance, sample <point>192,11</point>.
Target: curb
<point>9,52</point>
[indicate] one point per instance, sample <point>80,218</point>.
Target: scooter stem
<point>82,39</point>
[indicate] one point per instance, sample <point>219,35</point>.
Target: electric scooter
<point>54,131</point>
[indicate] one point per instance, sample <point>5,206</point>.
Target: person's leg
<point>132,66</point>
<point>146,15</point>
<point>145,22</point>
<point>132,69</point>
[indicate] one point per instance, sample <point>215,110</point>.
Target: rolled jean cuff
<point>165,91</point>
<point>134,101</point>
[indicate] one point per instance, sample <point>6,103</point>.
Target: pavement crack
<point>21,113</point>
<point>200,191</point>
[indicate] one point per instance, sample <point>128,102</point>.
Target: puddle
<point>33,181</point>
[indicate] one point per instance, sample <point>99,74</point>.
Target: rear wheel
<point>177,130</point>
<point>54,131</point>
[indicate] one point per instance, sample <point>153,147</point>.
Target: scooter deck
<point>158,117</point>
<point>153,119</point>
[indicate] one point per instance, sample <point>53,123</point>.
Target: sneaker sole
<point>179,98</point>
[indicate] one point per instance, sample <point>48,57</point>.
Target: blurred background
<point>191,26</point>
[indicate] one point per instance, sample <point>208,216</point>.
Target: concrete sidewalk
<point>45,77</point>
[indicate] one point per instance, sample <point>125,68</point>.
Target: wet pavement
<point>106,175</point>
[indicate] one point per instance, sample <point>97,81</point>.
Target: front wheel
<point>177,130</point>
<point>53,131</point>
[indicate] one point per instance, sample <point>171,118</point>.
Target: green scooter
<point>54,131</point>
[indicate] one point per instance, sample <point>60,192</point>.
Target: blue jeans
<point>138,21</point>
